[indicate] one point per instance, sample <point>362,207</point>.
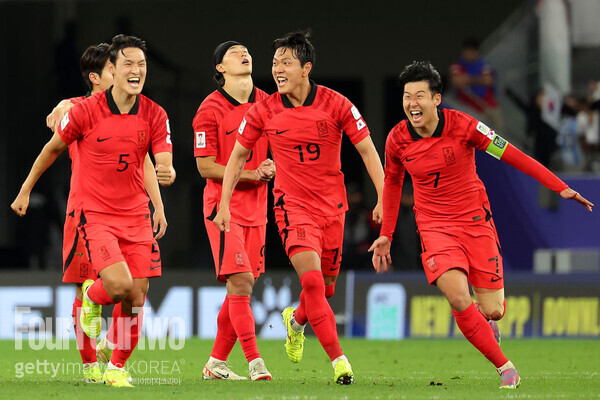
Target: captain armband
<point>497,146</point>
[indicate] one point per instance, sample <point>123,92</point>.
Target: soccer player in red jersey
<point>459,241</point>
<point>114,131</point>
<point>239,253</point>
<point>94,65</point>
<point>304,123</point>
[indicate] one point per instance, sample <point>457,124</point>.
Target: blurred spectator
<point>359,232</point>
<point>474,83</point>
<point>588,128</point>
<point>544,135</point>
<point>568,141</point>
<point>406,249</point>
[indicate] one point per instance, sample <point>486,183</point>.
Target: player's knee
<point>118,289</point>
<point>240,284</point>
<point>312,282</point>
<point>459,301</point>
<point>495,312</point>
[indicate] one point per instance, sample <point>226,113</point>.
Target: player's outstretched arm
<point>372,162</point>
<point>151,184</point>
<point>570,194</point>
<point>57,114</point>
<point>51,150</point>
<point>232,174</point>
<point>381,254</point>
<point>210,169</point>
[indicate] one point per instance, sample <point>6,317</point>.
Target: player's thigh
<point>76,263</point>
<point>299,231</point>
<point>305,261</point>
<point>441,252</point>
<point>229,251</point>
<point>143,258</point>
<point>332,245</point>
<point>101,242</point>
<point>481,246</point>
<point>254,242</point>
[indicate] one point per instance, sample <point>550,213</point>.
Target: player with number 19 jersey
<point>305,142</point>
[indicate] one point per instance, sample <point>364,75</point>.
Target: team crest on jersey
<point>322,129</point>
<point>84,270</point>
<point>104,253</point>
<point>239,259</point>
<point>300,233</point>
<point>432,264</point>
<point>485,130</point>
<point>141,138</point>
<point>449,155</point>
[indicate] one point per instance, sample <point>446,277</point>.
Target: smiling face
<point>287,71</point>
<point>420,106</point>
<point>236,61</point>
<point>130,70</point>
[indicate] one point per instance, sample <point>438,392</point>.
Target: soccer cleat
<point>496,331</point>
<point>342,373</point>
<point>258,370</point>
<point>117,378</point>
<point>294,342</point>
<point>219,370</point>
<point>510,379</point>
<point>103,351</point>
<point>92,374</point>
<point>90,318</point>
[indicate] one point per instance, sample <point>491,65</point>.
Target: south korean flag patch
<point>200,140</point>
<point>485,130</point>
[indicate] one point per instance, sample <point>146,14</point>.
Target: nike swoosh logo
<point>153,268</point>
<point>409,159</point>
<point>79,254</point>
<point>280,132</point>
<point>496,279</point>
<point>224,376</point>
<point>230,132</point>
<point>318,323</point>
<point>333,269</point>
<point>102,140</point>
<point>245,340</point>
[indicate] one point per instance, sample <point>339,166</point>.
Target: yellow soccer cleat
<point>92,374</point>
<point>90,318</point>
<point>294,342</point>
<point>104,351</point>
<point>342,373</point>
<point>117,378</point>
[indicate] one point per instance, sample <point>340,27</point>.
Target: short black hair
<point>421,71</point>
<point>218,55</point>
<point>298,41</point>
<point>121,42</point>
<point>92,60</point>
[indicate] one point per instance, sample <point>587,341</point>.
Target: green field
<point>410,369</point>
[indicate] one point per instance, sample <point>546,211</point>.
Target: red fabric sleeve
<point>521,161</point>
<point>392,192</point>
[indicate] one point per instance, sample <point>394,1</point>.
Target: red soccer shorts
<point>302,231</point>
<point>472,248</point>
<point>107,245</point>
<point>76,264</point>
<point>242,249</point>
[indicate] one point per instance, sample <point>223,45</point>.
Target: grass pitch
<point>409,369</point>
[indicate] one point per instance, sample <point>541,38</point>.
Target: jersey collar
<point>436,133</point>
<point>309,100</point>
<point>112,106</point>
<point>233,101</point>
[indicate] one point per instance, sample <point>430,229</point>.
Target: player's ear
<point>111,68</point>
<point>94,78</point>
<point>220,68</point>
<point>437,99</point>
<point>306,69</point>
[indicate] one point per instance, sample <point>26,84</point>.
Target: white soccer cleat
<point>217,369</point>
<point>258,370</point>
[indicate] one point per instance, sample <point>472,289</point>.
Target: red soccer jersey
<point>74,165</point>
<point>111,149</point>
<point>217,118</point>
<point>306,143</point>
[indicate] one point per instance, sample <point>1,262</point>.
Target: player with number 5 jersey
<point>304,123</point>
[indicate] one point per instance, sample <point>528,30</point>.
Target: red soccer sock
<point>477,331</point>
<point>319,313</point>
<point>226,336</point>
<point>98,294</point>
<point>110,335</point>
<point>242,320</point>
<point>329,290</point>
<point>127,334</point>
<point>85,345</point>
<point>300,312</point>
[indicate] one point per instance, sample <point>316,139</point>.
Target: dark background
<point>361,47</point>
